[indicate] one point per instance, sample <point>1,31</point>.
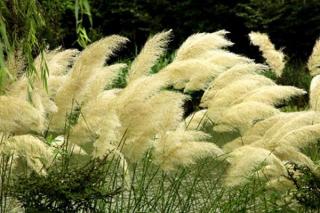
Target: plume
<point>91,58</point>
<point>193,74</point>
<point>315,93</point>
<point>152,50</point>
<point>59,60</point>
<point>18,116</point>
<point>314,60</point>
<point>244,115</point>
<point>260,163</point>
<point>108,136</point>
<point>58,63</point>
<point>37,96</point>
<point>99,80</point>
<point>54,84</point>
<point>271,94</point>
<point>224,58</point>
<point>92,116</point>
<point>227,77</point>
<point>226,96</point>
<point>289,123</point>
<point>274,58</point>
<point>297,138</point>
<point>148,111</point>
<point>255,133</point>
<point>199,43</point>
<point>35,152</point>
<point>182,148</point>
<point>292,154</point>
<point>156,115</point>
<point>167,110</point>
<point>59,143</point>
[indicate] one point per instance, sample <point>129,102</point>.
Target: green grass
<point>195,189</point>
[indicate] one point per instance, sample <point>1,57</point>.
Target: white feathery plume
<point>255,133</point>
<point>108,135</point>
<point>160,113</point>
<point>193,74</point>
<point>315,93</point>
<point>292,154</point>
<point>99,80</point>
<point>289,123</point>
<point>271,94</point>
<point>224,58</point>
<point>259,163</point>
<point>300,137</point>
<point>92,116</point>
<point>57,60</point>
<point>18,116</point>
<point>199,43</point>
<point>167,110</point>
<point>226,96</point>
<point>182,148</point>
<point>135,93</point>
<point>153,49</point>
<point>274,58</point>
<point>54,84</point>
<point>136,114</point>
<point>35,152</point>
<point>314,60</point>
<point>37,96</point>
<point>91,58</point>
<point>244,115</point>
<point>227,77</point>
<point>59,142</point>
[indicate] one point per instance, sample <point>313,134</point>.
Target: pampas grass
<point>199,43</point>
<point>275,58</point>
<point>79,113</point>
<point>231,93</point>
<point>192,74</point>
<point>314,93</point>
<point>20,117</point>
<point>57,60</point>
<point>243,116</point>
<point>260,162</point>
<point>229,76</point>
<point>314,60</point>
<point>272,95</point>
<point>30,149</point>
<point>224,58</point>
<point>153,49</point>
<point>92,58</point>
<point>182,148</point>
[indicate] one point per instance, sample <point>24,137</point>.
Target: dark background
<point>293,25</point>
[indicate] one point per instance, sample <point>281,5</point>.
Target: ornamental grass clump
<point>78,121</point>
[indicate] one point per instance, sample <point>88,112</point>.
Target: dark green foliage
<point>21,23</point>
<point>5,175</point>
<point>292,24</point>
<point>60,22</point>
<point>307,185</point>
<point>65,188</point>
